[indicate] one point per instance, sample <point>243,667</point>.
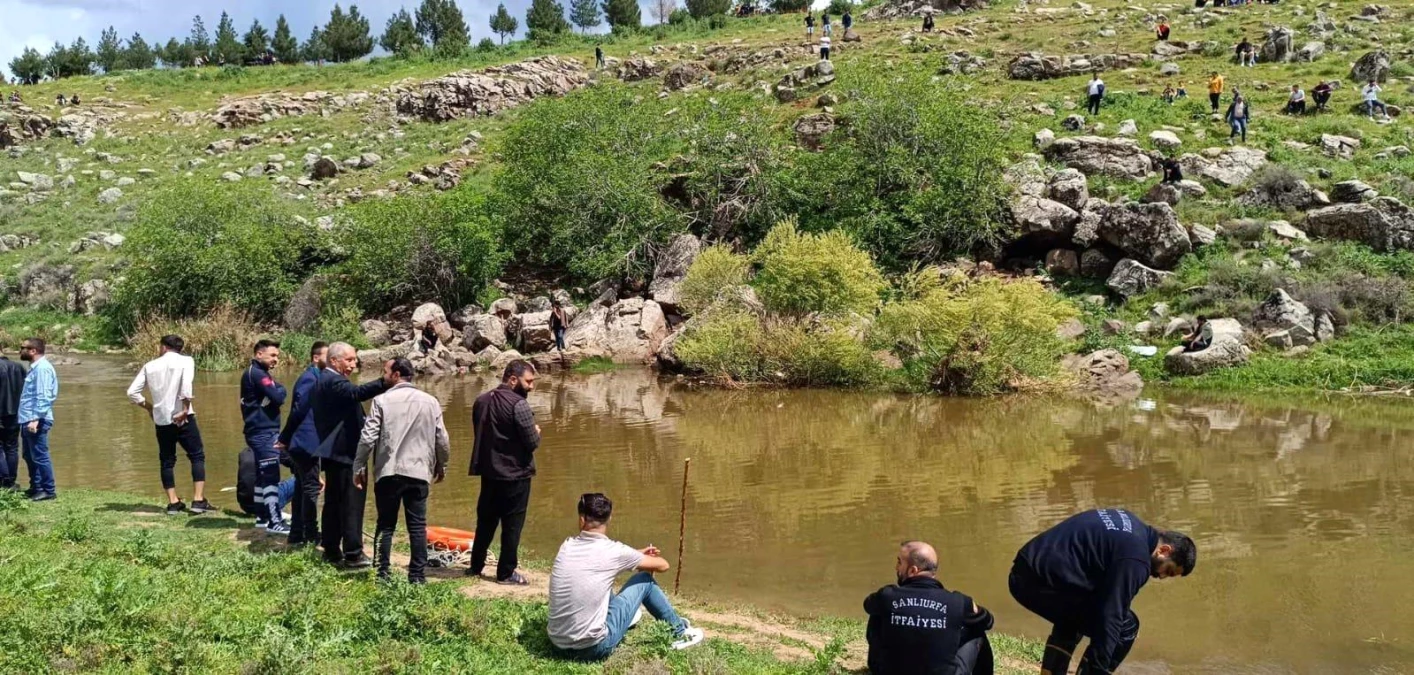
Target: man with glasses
<point>587,619</point>
<point>36,418</point>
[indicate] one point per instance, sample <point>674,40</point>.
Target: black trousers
<point>1072,615</point>
<point>9,450</point>
<point>503,503</point>
<point>1213,99</point>
<point>169,436</point>
<point>1093,104</point>
<point>304,509</point>
<point>343,513</point>
<point>389,494</point>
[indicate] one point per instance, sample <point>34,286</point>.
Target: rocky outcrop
<point>1044,220</point>
<point>1279,45</point>
<point>1372,66</point>
<point>472,93</point>
<point>1225,350</point>
<point>962,62</point>
<point>628,331</point>
<point>1149,233</point>
<point>1069,187</point>
<point>1105,371</point>
<point>1384,223</point>
<point>1342,147</point>
<point>1229,167</point>
<point>1131,277</point>
<point>302,312</point>
<point>377,333</point>
<point>1039,66</point>
<point>1352,192</point>
<point>685,74</point>
<point>430,314</point>
<point>251,110</point>
<point>811,130</point>
<point>1096,155</point>
<point>484,330</point>
<point>897,9</point>
<point>1297,195</point>
<point>637,68</point>
<point>1311,51</point>
<point>1285,323</point>
<point>670,269</point>
<point>531,332</point>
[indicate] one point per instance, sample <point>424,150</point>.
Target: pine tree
<point>400,36</point>
<point>199,43</point>
<point>285,45</point>
<point>545,19</point>
<point>257,40</point>
<point>110,50</point>
<point>138,55</point>
<point>346,36</point>
<point>314,48</point>
<point>28,66</point>
<point>441,24</point>
<point>228,48</point>
<point>623,14</point>
<point>700,9</point>
<point>584,13</point>
<point>503,24</point>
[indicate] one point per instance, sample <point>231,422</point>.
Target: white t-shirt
<point>168,379</point>
<point>1298,96</point>
<point>1372,92</point>
<point>581,583</point>
<point>825,41</point>
<point>1095,85</point>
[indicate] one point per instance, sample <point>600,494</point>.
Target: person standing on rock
<point>559,323</point>
<point>261,398</point>
<point>167,380</point>
<point>36,418</point>
<point>1238,114</point>
<point>1372,100</point>
<point>1095,92</point>
<point>598,57</point>
<point>847,20</point>
<point>1215,89</point>
<point>505,437</point>
<point>337,407</point>
<point>825,27</point>
<point>405,437</point>
<point>824,47</point>
<point>809,27</point>
<point>12,386</point>
<point>304,521</point>
<point>1082,575</point>
<point>918,626</point>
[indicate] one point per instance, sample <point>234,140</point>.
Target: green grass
<point>595,364</point>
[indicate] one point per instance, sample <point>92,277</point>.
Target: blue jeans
<point>1239,126</point>
<point>639,591</point>
<point>1371,105</point>
<point>560,339</point>
<point>9,451</point>
<point>286,490</point>
<point>36,450</point>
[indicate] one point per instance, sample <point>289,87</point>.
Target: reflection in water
<point>797,498</point>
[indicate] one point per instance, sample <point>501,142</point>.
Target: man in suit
<point>337,407</point>
<point>304,525</point>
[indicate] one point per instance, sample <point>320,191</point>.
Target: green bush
<point>976,337</point>
<point>738,346</point>
<point>803,273</point>
<point>198,246</point>
<point>440,247</point>
<point>715,268</point>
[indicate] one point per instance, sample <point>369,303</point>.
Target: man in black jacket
<point>12,384</point>
<point>920,628</point>
<point>503,454</point>
<point>1082,575</point>
<point>261,398</point>
<point>337,406</point>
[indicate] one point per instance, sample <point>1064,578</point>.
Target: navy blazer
<point>337,408</point>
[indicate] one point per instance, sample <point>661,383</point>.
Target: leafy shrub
<point>976,337</point>
<point>439,247</point>
<point>679,17</point>
<point>803,273</point>
<point>715,268</point>
<point>196,247</point>
<point>220,340</point>
<point>839,7</point>
<point>739,346</point>
<point>486,45</point>
<point>787,6</point>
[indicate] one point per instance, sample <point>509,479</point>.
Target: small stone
<point>231,177</point>
<point>110,195</point>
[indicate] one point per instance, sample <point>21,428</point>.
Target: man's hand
<point>33,426</point>
<point>180,418</point>
<point>439,474</point>
<point>537,430</point>
<point>281,446</point>
<point>360,478</point>
<point>321,485</point>
<point>651,551</point>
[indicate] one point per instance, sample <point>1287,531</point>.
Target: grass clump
<point>802,273</point>
<point>715,268</point>
<point>220,340</point>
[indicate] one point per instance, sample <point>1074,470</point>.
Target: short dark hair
<point>595,507</point>
<point>1202,318</point>
<point>174,343</point>
<point>1185,552</point>
<point>263,344</point>
<point>516,368</point>
<point>314,348</point>
<point>37,344</point>
<point>402,367</point>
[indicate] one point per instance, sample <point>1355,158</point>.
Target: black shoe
<point>176,509</point>
<point>362,562</point>
<point>30,493</point>
<point>43,497</point>
<point>333,560</point>
<point>472,572</point>
<point>202,506</point>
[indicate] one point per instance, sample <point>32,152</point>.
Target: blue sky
<point>38,23</point>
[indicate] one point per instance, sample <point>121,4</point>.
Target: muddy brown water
<point>1304,511</point>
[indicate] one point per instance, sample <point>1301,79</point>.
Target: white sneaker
<point>689,637</point>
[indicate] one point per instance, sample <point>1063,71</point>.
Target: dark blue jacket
<point>261,398</point>
<point>916,628</point>
<point>337,409</point>
<point>305,439</point>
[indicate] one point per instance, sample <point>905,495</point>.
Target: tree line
<point>436,26</point>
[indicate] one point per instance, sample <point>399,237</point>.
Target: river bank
<point>104,581</point>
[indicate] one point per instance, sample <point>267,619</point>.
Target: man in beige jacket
<point>408,441</point>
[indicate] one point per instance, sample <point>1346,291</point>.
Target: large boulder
<point>505,308</point>
<point>1229,167</point>
<point>1149,233</point>
<point>1372,66</point>
<point>1225,350</point>
<point>1095,155</point>
<point>1384,223</point>
<point>484,330</point>
<point>629,331</point>
<point>460,318</point>
<point>1131,277</point>
<point>302,312</point>
<point>670,269</point>
<point>1342,147</point>
<point>324,168</point>
<point>481,93</point>
<point>431,314</point>
<point>1284,322</point>
<point>1095,263</point>
<point>1311,51</point>
<point>1069,187</point>
<point>498,364</point>
<point>1297,195</point>
<point>1027,177</point>
<point>811,130</point>
<point>1044,220</point>
<point>377,333</point>
<point>1352,192</point>
<point>1106,371</point>
<point>1279,46</point>
<point>685,74</point>
<point>531,332</point>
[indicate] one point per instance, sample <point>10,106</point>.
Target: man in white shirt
<point>1372,100</point>
<point>587,619</point>
<point>1296,103</point>
<point>168,381</point>
<point>1096,92</point>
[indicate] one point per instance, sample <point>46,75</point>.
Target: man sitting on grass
<point>587,619</point>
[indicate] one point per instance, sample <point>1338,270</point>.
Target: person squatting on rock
<point>505,437</point>
<point>1095,92</point>
<point>928,22</point>
<point>261,398</point>
<point>1296,102</point>
<point>167,381</point>
<point>1322,94</point>
<point>1173,172</point>
<point>36,418</point>
<point>1246,53</point>
<point>337,407</point>
<point>920,627</point>
<point>1161,32</point>
<point>12,386</point>
<point>1082,575</point>
<point>304,463</point>
<point>408,442</point>
<point>587,620</point>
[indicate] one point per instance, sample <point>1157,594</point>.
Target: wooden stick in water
<point>682,525</point>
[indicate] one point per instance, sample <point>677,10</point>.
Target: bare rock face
<point>1279,45</point>
<point>431,314</point>
<point>1384,223</point>
<point>897,9</point>
<point>472,93</point>
<point>1149,233</point>
<point>258,109</point>
<point>302,312</point>
<point>1353,192</point>
<point>685,74</point>
<point>811,130</point>
<point>1069,187</point>
<point>1105,371</point>
<point>671,268</point>
<point>1230,167</point>
<point>638,68</point>
<point>377,333</point>
<point>1039,66</point>
<point>1131,277</point>
<point>629,331</point>
<point>1372,66</point>
<point>531,332</point>
<point>1295,196</point>
<point>505,308</point>
<point>484,330</point>
<point>1284,322</point>
<point>1343,147</point>
<point>1044,219</point>
<point>1095,155</point>
<point>1225,350</point>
